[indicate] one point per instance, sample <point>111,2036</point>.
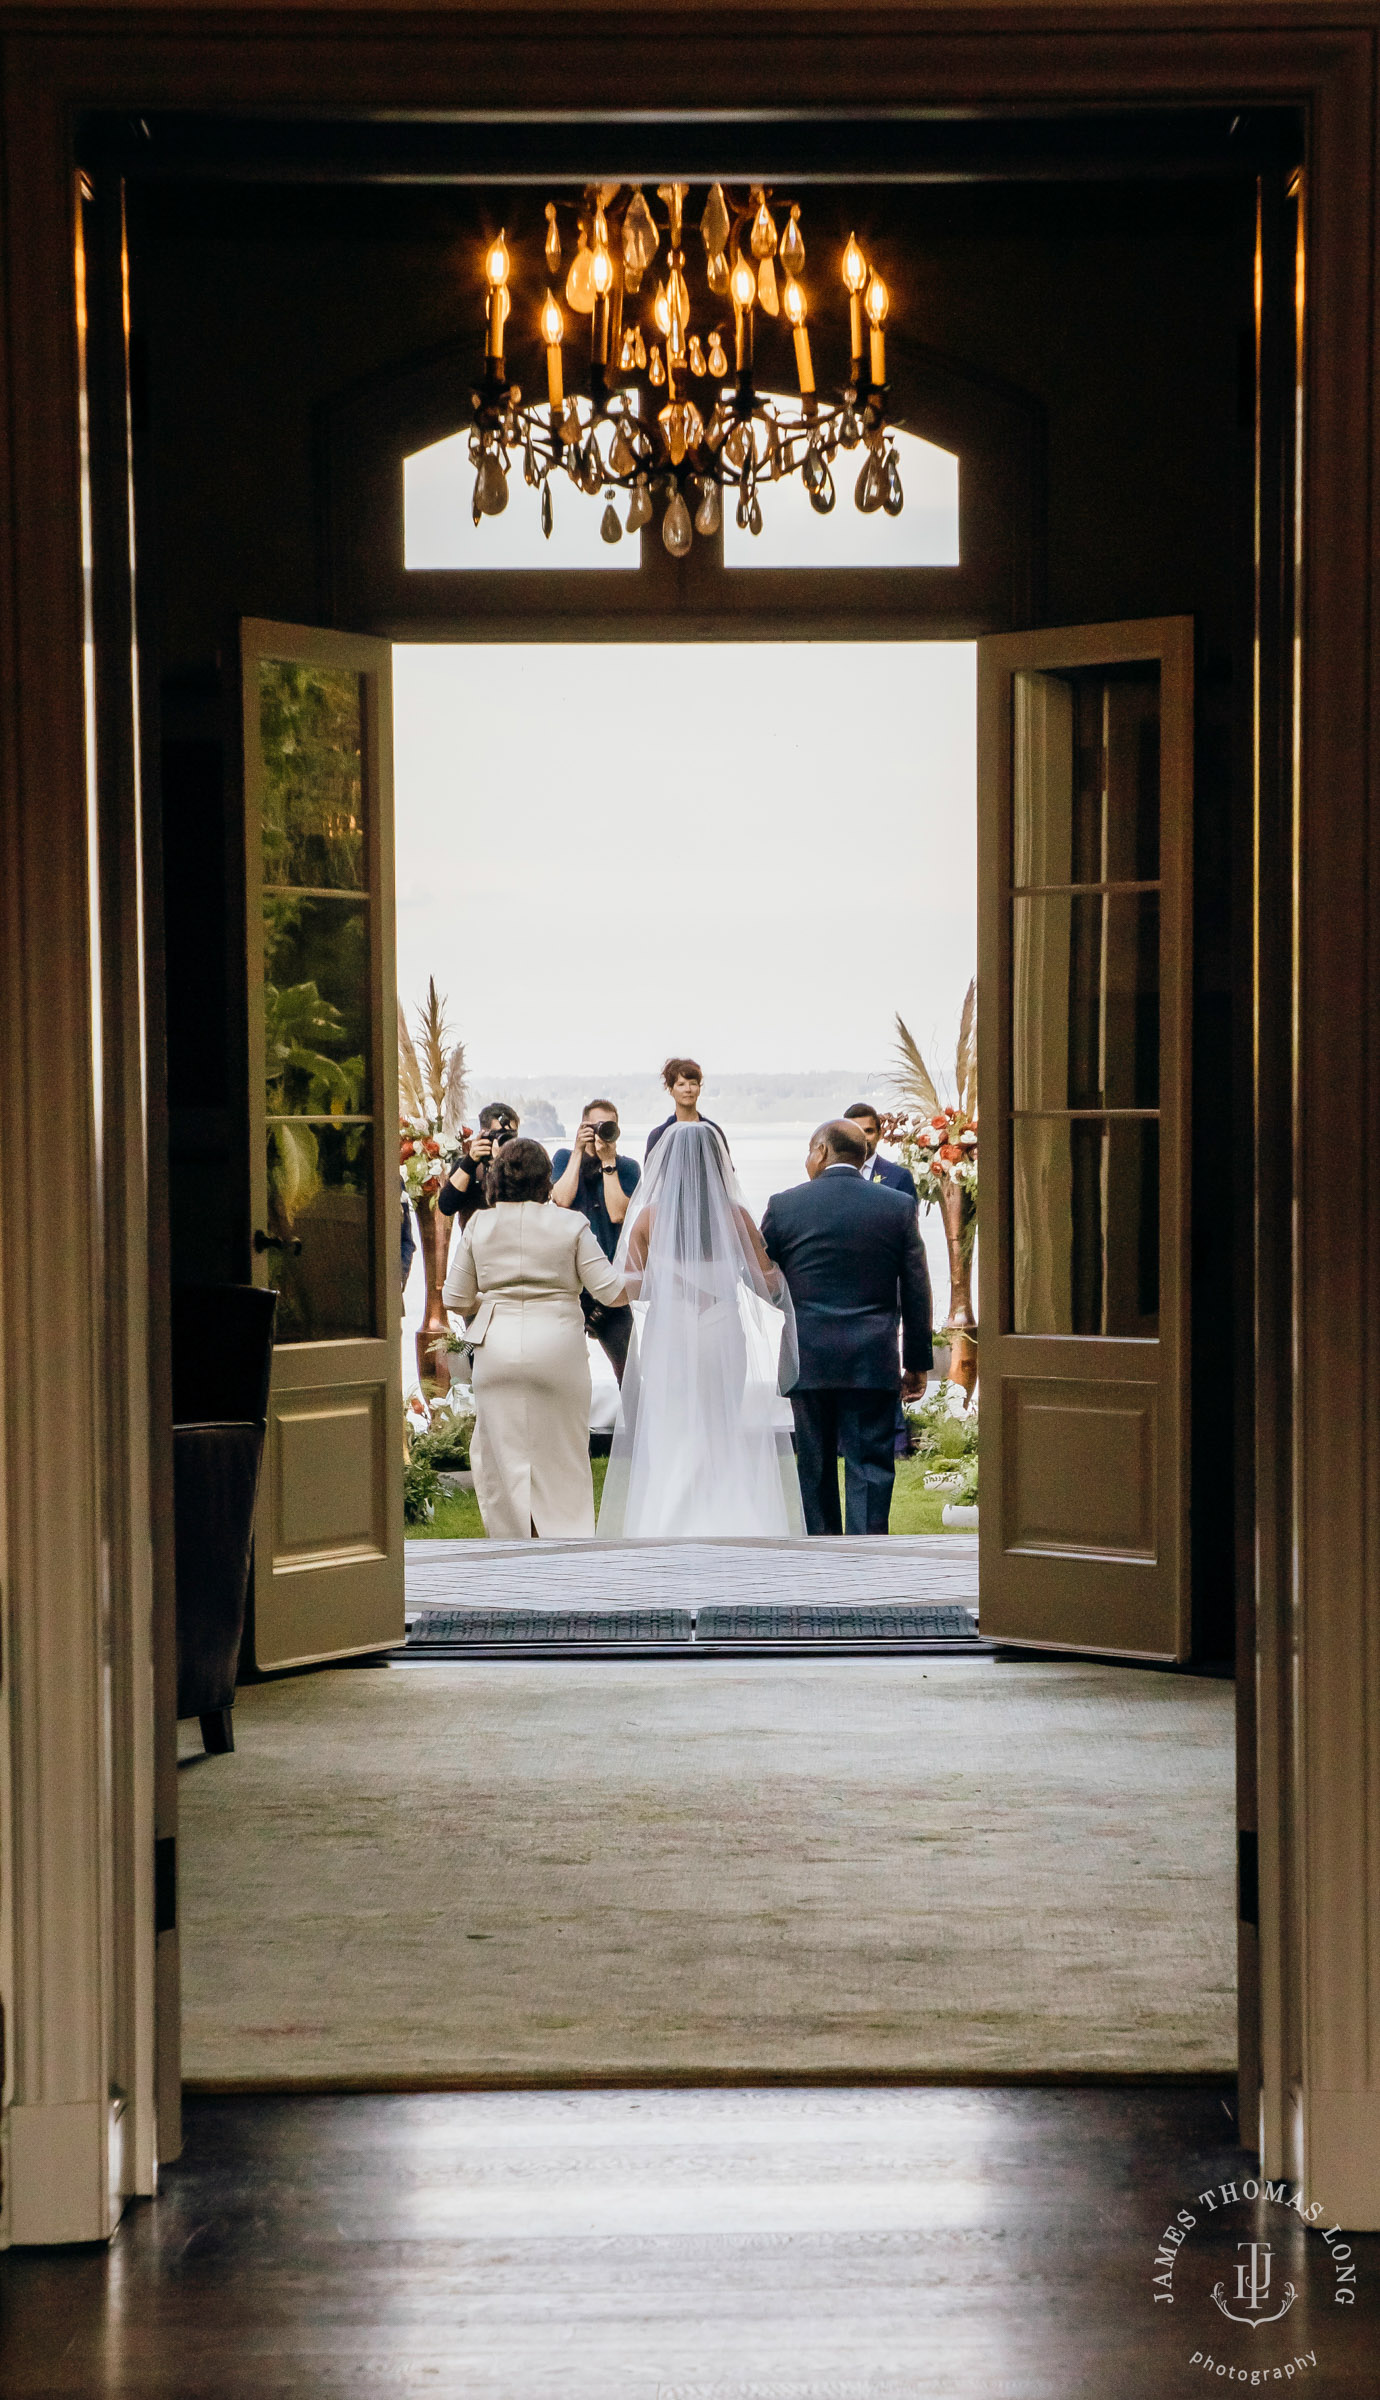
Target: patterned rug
<point>769,1866</point>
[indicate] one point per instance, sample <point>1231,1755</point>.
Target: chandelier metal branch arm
<point>712,434</point>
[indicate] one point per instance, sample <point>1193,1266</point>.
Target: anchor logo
<point>1253,2275</point>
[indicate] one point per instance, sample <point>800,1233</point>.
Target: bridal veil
<point>702,1444</point>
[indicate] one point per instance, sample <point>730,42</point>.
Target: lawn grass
<point>913,1509</point>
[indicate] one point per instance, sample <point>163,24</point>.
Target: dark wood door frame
<point>1318,1633</point>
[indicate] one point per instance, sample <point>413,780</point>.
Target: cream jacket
<point>525,1251</point>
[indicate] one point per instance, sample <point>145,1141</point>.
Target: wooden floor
<point>825,2244</point>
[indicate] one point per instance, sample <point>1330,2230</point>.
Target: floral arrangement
<point>427,1156</point>
<point>432,1136</point>
<point>939,1147</point>
<point>938,1140</point>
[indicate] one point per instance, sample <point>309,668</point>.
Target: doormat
<point>884,1621</point>
<point>464,1627</point>
<point>455,1629</point>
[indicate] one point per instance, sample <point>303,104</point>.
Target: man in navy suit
<point>855,1267</point>
<point>884,1170</point>
<point>877,1169</point>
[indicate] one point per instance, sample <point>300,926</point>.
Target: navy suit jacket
<point>855,1265</point>
<point>897,1178</point>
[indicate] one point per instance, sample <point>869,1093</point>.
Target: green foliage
<point>294,1172</point>
<point>421,1490</point>
<point>301,1080</point>
<point>447,1443</point>
<point>940,1435</point>
<point>310,722</point>
<point>457,1517</point>
<point>965,1491</point>
<point>913,1509</point>
<point>946,1450</point>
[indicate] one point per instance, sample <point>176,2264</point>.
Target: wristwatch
<point>611,1168</point>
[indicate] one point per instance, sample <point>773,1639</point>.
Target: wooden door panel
<point>328,1574</point>
<point>1080,1468</point>
<point>331,1487</point>
<point>1084,846</point>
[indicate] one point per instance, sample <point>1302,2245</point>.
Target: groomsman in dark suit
<point>855,1267</point>
<point>900,1179</point>
<point>877,1169</point>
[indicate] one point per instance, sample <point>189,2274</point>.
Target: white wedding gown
<point>702,1442</point>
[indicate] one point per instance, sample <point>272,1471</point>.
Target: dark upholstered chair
<point>222,1352</point>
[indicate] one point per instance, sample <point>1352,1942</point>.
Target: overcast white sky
<point>753,852</point>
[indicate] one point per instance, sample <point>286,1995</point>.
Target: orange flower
<point>407,1150</point>
<point>951,1151</point>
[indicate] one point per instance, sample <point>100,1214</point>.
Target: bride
<point>702,1444</point>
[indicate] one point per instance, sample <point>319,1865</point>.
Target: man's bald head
<point>839,1144</point>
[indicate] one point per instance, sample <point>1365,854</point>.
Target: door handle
<point>271,1241</point>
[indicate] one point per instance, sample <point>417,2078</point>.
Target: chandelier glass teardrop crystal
<point>668,409</point>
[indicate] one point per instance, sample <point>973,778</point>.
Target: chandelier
<point>668,418</point>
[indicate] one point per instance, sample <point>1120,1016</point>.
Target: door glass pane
<point>1085,1225</point>
<point>311,722</point>
<point>319,1194</point>
<point>1086,775</point>
<point>316,1006</point>
<point>1085,1005</point>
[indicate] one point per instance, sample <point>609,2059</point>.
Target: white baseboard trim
<point>1342,2149</point>
<point>58,2174</point>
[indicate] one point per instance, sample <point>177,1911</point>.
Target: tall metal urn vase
<point>960,1326</point>
<point>433,1335</point>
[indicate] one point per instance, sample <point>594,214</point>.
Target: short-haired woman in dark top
<point>683,1078</point>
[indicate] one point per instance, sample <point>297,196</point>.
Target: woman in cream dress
<point>515,1278</point>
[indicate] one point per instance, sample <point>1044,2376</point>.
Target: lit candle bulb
<point>854,277</point>
<point>743,286</point>
<point>552,329</point>
<point>601,275</point>
<point>496,271</point>
<point>877,305</point>
<point>795,318</point>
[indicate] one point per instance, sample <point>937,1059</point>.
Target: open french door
<point>1085,785</point>
<point>318,753</point>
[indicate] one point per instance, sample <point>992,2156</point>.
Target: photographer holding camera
<point>594,1179</point>
<point>466,1191</point>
